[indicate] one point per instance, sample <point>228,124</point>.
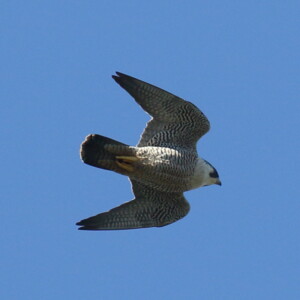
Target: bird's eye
<point>214,174</point>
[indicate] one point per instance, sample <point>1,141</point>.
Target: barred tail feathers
<point>102,152</point>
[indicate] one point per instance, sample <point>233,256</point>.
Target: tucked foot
<point>126,162</point>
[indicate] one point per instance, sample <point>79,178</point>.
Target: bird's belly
<point>166,176</point>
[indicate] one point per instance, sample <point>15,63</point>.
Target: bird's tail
<point>105,153</point>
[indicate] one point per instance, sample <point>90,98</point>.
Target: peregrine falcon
<point>161,167</point>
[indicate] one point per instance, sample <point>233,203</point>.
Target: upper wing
<point>175,122</point>
<point>150,208</point>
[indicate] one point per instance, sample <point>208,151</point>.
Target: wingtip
<point>119,75</point>
<point>85,225</point>
<point>82,228</point>
<point>90,228</point>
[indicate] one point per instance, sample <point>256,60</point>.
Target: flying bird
<point>161,167</point>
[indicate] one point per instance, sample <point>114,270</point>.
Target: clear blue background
<point>236,60</point>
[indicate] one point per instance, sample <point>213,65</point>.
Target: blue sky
<point>238,61</point>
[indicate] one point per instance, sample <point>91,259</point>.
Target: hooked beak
<point>218,182</point>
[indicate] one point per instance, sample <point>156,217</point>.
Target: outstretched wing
<point>150,208</point>
<point>175,122</point>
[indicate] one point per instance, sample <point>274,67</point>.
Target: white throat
<point>201,174</point>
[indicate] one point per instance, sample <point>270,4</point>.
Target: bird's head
<point>205,174</point>
<point>211,175</point>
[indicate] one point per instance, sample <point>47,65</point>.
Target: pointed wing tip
<point>81,228</point>
<point>87,228</point>
<point>119,74</point>
<point>82,223</point>
<point>84,226</point>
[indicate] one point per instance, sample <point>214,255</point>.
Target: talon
<point>127,158</point>
<point>125,162</point>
